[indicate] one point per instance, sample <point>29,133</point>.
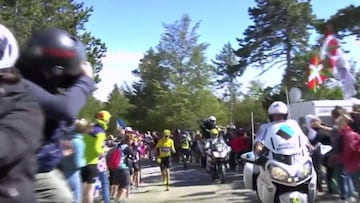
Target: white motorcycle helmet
<point>278,108</point>
<point>9,49</point>
<point>212,118</point>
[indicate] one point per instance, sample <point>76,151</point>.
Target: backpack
<point>50,154</point>
<point>114,159</point>
<point>117,158</point>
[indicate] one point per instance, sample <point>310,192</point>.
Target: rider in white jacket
<point>278,112</point>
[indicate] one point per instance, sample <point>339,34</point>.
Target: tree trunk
<point>231,101</point>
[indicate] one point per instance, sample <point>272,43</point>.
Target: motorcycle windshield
<point>218,145</point>
<point>284,138</point>
<point>287,159</point>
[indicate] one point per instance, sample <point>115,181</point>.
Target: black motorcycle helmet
<point>53,53</point>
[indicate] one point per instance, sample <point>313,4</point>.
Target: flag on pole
<point>334,59</point>
<point>317,74</point>
<point>120,123</point>
<point>330,52</point>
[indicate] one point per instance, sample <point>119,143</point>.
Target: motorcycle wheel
<point>221,173</point>
<point>213,174</point>
<point>258,197</point>
<point>185,161</point>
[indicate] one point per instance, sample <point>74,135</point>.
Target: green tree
<point>279,31</point>
<point>246,106</point>
<point>326,91</point>
<point>271,94</point>
<point>297,73</point>
<point>173,79</point>
<point>265,95</point>
<point>151,69</point>
<point>143,94</point>
<point>227,70</point>
<point>173,109</point>
<point>344,22</point>
<point>183,109</point>
<point>183,55</point>
<point>255,90</point>
<point>189,73</point>
<point>118,105</point>
<point>92,107</point>
<point>26,16</point>
<point>205,103</point>
<point>297,76</point>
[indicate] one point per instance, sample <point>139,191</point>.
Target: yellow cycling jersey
<point>165,146</point>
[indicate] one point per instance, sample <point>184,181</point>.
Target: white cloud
<point>117,70</point>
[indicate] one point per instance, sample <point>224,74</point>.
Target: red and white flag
<point>316,73</point>
<point>333,58</point>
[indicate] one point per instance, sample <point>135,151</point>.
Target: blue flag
<point>120,123</point>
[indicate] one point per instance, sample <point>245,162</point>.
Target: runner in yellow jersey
<point>165,146</point>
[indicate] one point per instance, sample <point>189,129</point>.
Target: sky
<point>130,27</point>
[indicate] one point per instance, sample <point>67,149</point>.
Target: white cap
<point>128,129</point>
<point>9,49</point>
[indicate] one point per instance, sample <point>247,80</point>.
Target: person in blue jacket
<point>71,165</point>
<point>57,74</point>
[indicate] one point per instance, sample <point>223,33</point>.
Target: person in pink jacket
<point>350,150</point>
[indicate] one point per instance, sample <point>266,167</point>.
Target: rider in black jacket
<point>207,125</point>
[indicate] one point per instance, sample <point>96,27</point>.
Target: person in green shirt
<point>94,142</point>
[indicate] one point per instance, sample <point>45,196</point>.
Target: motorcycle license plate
<point>295,200</point>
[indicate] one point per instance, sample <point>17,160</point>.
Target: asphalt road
<point>194,185</point>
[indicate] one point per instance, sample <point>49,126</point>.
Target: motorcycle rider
<point>277,112</point>
<point>59,77</point>
<point>207,125</point>
<point>214,138</point>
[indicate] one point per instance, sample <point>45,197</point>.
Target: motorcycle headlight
<point>278,173</point>
<point>219,147</point>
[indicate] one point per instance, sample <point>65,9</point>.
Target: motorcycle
<point>285,171</point>
<point>218,156</point>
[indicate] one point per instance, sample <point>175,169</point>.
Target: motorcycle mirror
<point>248,157</point>
<point>324,149</point>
